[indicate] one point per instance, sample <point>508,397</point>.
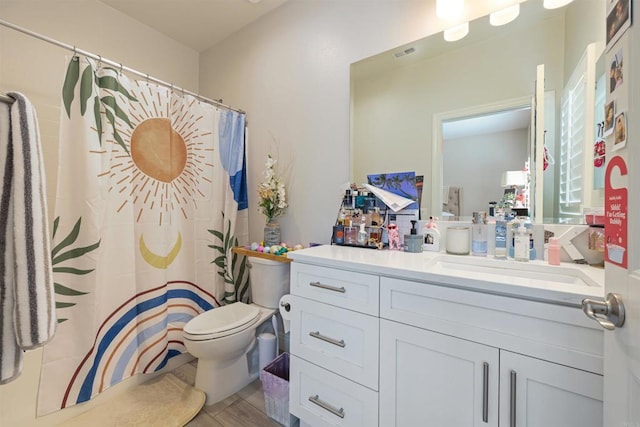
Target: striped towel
<point>27,307</point>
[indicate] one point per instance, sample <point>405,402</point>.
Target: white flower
<point>272,193</point>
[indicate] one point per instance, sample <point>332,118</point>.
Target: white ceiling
<point>198,24</point>
<point>501,121</point>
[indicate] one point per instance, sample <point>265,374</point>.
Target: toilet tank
<point>269,281</point>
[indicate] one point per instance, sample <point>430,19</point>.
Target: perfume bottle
<point>479,234</point>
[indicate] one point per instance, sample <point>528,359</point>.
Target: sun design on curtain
<point>151,198</point>
<point>168,159</point>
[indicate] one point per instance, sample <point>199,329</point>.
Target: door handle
<point>608,312</point>
<point>512,399</point>
<point>485,392</point>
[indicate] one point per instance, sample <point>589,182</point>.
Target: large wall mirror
<point>404,100</point>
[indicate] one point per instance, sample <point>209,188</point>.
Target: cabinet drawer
<point>550,332</point>
<point>348,289</point>
<point>339,340</point>
<point>321,398</point>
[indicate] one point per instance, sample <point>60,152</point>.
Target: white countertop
<point>566,284</point>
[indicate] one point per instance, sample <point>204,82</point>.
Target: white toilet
<point>222,338</point>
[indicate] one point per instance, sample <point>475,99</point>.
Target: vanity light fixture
<point>554,4</point>
<point>449,10</point>
<point>504,16</point>
<point>456,33</point>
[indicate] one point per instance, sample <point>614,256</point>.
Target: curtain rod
<point>6,99</point>
<point>116,65</point>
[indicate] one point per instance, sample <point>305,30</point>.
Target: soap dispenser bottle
<point>521,243</point>
<point>413,241</point>
<point>431,236</point>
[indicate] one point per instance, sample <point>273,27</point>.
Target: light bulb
<point>456,33</point>
<point>554,4</point>
<point>505,15</point>
<point>449,10</point>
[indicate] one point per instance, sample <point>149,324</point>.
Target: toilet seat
<point>221,322</point>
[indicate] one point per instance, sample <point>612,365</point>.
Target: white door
<point>622,344</point>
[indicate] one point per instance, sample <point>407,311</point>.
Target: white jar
<point>458,240</point>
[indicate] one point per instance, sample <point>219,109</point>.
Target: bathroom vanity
<point>388,338</point>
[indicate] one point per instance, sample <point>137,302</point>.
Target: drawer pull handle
<point>330,340</point>
<point>340,289</point>
<point>324,405</point>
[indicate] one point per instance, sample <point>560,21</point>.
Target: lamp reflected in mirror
<point>516,193</point>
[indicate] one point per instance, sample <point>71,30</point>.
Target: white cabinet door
<point>427,378</point>
<point>536,393</point>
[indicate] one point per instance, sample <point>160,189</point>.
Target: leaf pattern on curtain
<point>56,259</point>
<point>233,272</point>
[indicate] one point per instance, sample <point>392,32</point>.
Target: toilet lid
<point>222,319</point>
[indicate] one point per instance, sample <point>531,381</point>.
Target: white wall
<point>290,72</point>
<point>476,164</point>
<point>37,68</point>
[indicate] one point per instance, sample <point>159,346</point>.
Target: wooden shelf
<point>248,252</point>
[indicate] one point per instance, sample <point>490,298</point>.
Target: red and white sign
<point>616,205</point>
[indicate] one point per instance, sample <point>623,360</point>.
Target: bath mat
<point>162,401</point>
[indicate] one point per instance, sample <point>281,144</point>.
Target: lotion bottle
<point>521,243</point>
<point>431,236</point>
<point>362,234</point>
<point>553,251</point>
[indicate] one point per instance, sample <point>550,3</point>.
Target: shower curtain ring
<point>75,50</point>
<point>120,73</point>
<point>99,61</point>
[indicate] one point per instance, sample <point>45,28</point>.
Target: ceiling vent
<point>401,53</point>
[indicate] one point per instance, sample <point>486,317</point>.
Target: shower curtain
<point>151,198</point>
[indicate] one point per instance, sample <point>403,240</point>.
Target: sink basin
<point>507,271</point>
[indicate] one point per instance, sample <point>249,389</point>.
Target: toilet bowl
<point>223,338</point>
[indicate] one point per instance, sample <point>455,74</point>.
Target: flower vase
<point>272,233</point>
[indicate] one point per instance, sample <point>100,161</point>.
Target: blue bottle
<point>501,239</point>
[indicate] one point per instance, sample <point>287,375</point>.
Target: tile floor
<point>243,409</point>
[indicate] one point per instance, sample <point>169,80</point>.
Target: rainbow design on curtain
<point>151,198</point>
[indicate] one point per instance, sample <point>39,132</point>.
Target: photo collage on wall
<point>615,118</point>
